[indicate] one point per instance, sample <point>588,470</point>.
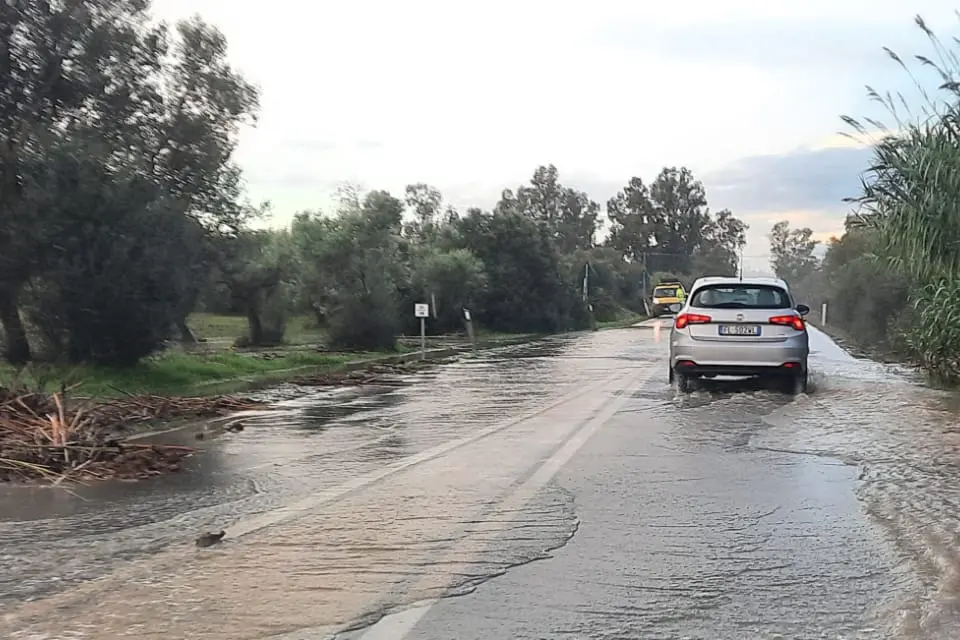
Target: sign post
<point>422,311</point>
<point>470,333</point>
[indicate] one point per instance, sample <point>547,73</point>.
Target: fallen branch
<point>43,436</point>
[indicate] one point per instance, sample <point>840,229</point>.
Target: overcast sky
<point>471,97</point>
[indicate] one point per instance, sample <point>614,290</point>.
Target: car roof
<point>756,280</point>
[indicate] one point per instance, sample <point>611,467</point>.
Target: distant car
<point>740,327</point>
<point>665,295</point>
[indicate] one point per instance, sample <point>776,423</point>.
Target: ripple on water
<point>904,438</point>
<point>424,535</point>
<point>310,442</point>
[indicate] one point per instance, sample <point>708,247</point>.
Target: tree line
<point>123,211</point>
<point>892,279</point>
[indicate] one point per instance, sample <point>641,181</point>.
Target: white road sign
<point>421,310</point>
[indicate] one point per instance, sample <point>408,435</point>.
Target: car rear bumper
<point>692,368</point>
<point>738,358</point>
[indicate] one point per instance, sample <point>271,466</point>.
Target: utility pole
<point>586,283</point>
<point>645,285</point>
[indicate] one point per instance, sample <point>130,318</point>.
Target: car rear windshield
<point>665,292</point>
<point>741,296</point>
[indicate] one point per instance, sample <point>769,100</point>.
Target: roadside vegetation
<point>127,233</point>
<point>892,280</point>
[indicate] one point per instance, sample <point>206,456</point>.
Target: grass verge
<point>211,326</point>
<point>177,373</point>
<point>183,374</point>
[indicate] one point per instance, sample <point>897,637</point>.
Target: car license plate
<point>739,329</point>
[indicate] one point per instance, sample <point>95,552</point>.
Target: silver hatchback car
<point>740,327</point>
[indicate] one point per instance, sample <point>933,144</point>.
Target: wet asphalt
<point>560,490</point>
<point>687,531</point>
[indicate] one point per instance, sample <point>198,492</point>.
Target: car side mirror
<point>803,309</point>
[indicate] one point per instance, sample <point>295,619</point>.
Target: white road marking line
<point>311,502</point>
<point>400,625</point>
<point>137,569</point>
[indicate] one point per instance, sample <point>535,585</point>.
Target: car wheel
<point>796,384</point>
<point>683,382</point>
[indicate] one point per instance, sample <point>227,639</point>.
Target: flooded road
<point>734,512</point>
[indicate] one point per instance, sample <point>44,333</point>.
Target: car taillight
<point>789,321</point>
<point>690,318</point>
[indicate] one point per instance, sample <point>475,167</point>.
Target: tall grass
<point>911,198</point>
<point>175,373</point>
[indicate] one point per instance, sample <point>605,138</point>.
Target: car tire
<point>683,382</point>
<point>796,384</point>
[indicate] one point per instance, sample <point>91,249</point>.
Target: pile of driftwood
<point>43,436</point>
<point>133,409</point>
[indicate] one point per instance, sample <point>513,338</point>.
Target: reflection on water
<point>420,534</point>
<point>306,443</point>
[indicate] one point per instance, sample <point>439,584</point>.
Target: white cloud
<point>472,97</point>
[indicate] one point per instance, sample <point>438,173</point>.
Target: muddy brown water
<point>316,555</point>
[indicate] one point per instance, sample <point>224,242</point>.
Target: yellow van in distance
<point>666,294</point>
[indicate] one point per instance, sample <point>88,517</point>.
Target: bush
<point>113,294</point>
<point>366,319</point>
<point>934,338</point>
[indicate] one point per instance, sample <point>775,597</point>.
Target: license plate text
<point>739,329</point>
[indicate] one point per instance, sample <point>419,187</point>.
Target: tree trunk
<point>256,326</point>
<point>17,346</point>
<point>186,334</point>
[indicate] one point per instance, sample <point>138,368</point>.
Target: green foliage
<point>668,227</point>
<point>351,269</point>
<point>568,217</point>
<point>527,291</point>
<point>454,279</point>
<point>518,268</point>
<point>255,267</point>
<point>121,257</point>
<point>910,201</point>
<point>791,252</point>
<point>934,337</point>
<point>615,285</point>
<point>115,170</point>
<point>893,279</point>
